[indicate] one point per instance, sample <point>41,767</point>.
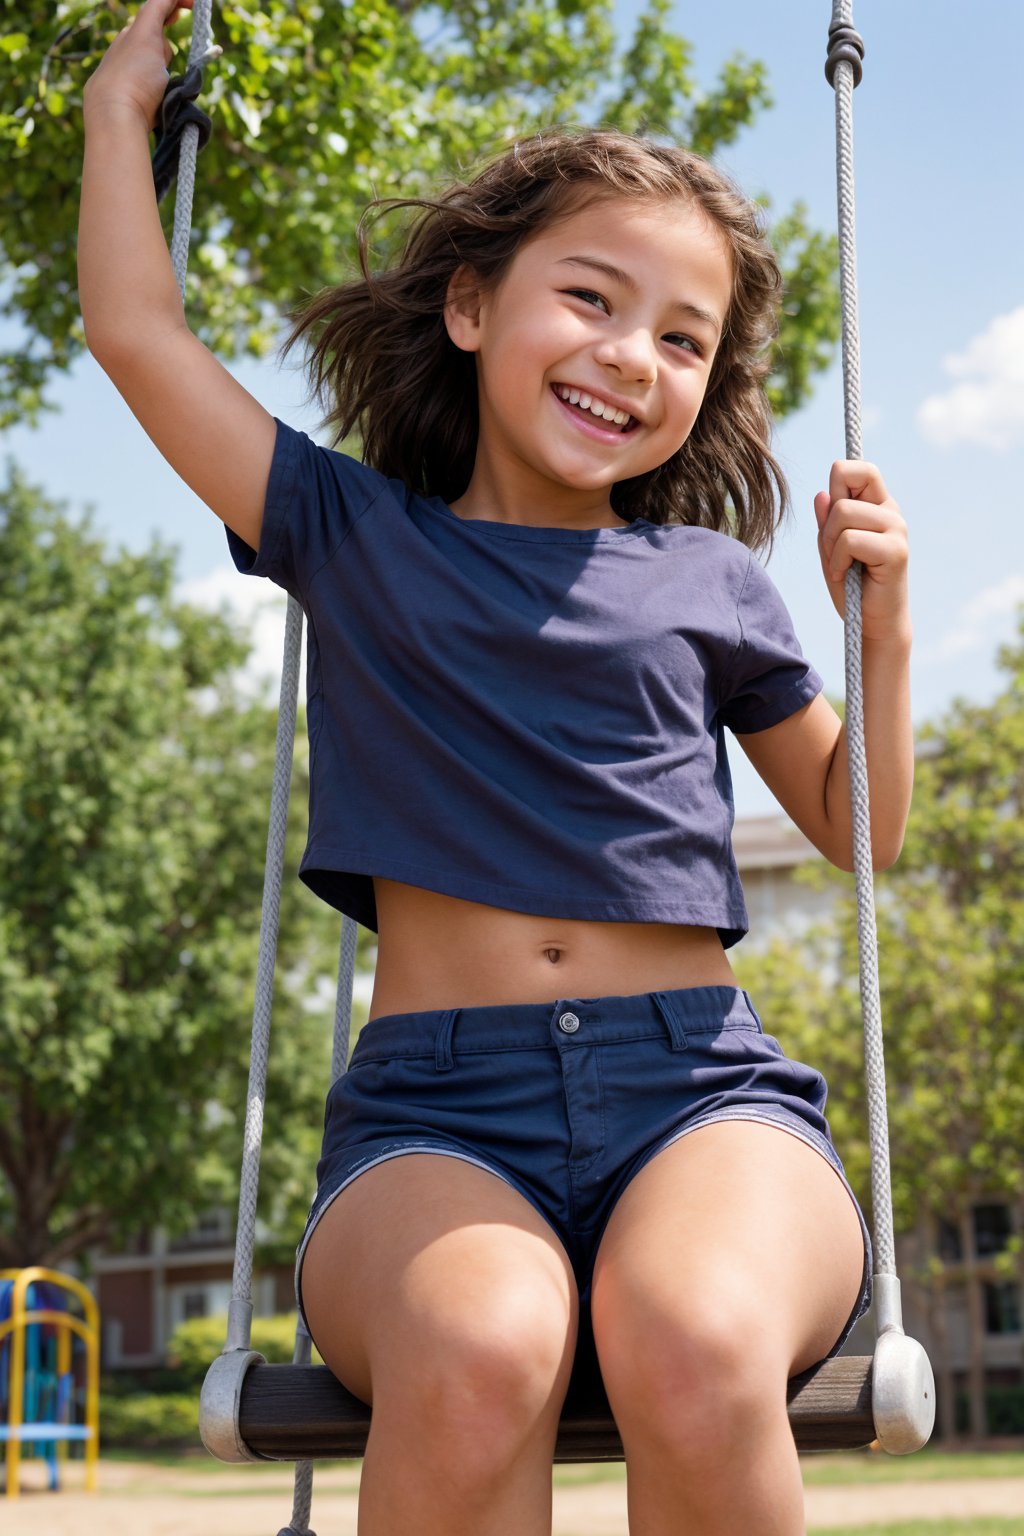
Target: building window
<point>1002,1308</point>
<point>951,1249</point>
<point>193,1304</point>
<point>197,1298</point>
<point>992,1229</point>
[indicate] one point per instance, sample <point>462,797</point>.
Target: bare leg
<point>731,1262</point>
<point>437,1294</point>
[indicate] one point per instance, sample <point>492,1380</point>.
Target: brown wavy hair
<point>382,363</point>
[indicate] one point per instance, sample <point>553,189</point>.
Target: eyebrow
<point>619,276</point>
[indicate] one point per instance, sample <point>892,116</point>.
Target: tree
<point>133,801</point>
<point>319,107</point>
<point>951,967</point>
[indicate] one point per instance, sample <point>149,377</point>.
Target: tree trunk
<point>976,1327</point>
<point>942,1365</point>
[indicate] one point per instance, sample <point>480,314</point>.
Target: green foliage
<point>150,1421</point>
<point>194,1345</point>
<point>1004,1411</point>
<point>316,109</point>
<point>133,792</point>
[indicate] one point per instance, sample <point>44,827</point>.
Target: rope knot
<point>175,111</point>
<point>844,43</point>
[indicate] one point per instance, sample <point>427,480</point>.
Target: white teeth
<point>593,405</point>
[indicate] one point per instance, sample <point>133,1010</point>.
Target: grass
<point>864,1467</point>
<point>856,1467</point>
<point>993,1526</point>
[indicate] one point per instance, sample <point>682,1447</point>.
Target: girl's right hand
<point>133,71</point>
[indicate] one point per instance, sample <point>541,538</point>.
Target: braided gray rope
<point>843,70</point>
<point>239,1331</point>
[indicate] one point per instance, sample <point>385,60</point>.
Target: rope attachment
<point>176,111</point>
<point>844,42</point>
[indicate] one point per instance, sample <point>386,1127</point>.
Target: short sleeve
<point>315,496</point>
<point>767,678</point>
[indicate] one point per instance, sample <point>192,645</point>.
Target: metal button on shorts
<point>569,1022</point>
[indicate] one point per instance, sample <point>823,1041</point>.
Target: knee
<point>690,1384</point>
<point>481,1392</point>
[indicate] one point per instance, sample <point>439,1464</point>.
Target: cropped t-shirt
<point>528,717</point>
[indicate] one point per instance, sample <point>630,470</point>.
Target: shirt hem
<point>321,863</point>
<point>781,708</point>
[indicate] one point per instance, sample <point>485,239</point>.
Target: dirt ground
<point>140,1500</point>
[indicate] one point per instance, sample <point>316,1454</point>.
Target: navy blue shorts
<point>566,1101</point>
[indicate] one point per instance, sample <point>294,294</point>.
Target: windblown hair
<point>382,363</point>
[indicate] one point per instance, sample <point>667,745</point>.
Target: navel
<point>554,955</point>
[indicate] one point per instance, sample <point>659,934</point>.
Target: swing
<point>252,1411</point>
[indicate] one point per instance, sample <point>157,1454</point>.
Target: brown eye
<point>688,341</point>
<point>586,294</point>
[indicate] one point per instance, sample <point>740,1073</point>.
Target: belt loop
<point>677,1033</point>
<point>444,1061</point>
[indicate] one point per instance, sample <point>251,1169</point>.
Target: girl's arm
<point>804,760</point>
<point>208,427</point>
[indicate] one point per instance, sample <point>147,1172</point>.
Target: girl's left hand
<point>858,520</point>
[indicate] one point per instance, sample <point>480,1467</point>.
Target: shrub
<point>1004,1410</point>
<point>196,1344</point>
<point>167,1421</point>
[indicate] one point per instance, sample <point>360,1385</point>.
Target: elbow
<point>101,346</point>
<point>114,351</point>
<point>884,853</point>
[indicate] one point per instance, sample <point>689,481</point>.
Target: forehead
<point>659,246</point>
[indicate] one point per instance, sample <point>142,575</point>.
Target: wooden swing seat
<point>302,1412</point>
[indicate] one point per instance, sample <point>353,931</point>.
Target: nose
<point>631,353</point>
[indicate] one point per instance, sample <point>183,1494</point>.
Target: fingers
<point>858,520</point>
<point>159,14</point>
<point>857,479</point>
<point>882,552</point>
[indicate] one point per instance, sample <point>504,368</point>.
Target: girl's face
<point>640,338</point>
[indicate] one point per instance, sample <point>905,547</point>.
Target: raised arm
<point>804,759</point>
<point>217,437</point>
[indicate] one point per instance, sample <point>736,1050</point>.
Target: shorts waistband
<point>565,1022</point>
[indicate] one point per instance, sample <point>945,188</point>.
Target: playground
<point>931,1494</point>
<point>49,1375</point>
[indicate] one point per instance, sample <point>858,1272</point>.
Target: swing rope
<point>843,70</point>
<point>239,1330</point>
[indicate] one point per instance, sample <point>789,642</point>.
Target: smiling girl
<point>533,613</point>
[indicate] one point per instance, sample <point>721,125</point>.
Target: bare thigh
<point>737,1220</point>
<point>426,1259</point>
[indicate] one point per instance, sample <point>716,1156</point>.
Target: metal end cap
<point>902,1394</point>
<point>220,1402</point>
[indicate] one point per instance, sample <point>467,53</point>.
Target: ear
<point>462,309</point>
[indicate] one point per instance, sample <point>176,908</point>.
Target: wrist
<point>117,112</point>
<point>894,642</point>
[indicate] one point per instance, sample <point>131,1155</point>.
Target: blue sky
<point>939,124</point>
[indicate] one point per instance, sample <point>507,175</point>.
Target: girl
<point>532,612</point>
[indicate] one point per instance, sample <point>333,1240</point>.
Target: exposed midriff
<point>436,951</point>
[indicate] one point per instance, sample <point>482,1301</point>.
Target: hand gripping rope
<point>902,1388</point>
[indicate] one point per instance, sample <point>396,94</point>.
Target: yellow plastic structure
<point>12,1333</point>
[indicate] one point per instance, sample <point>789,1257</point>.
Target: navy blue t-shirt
<point>528,717</point>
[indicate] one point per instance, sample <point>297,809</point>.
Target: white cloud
<point>987,407</point>
<point>261,608</point>
<point>973,626</point>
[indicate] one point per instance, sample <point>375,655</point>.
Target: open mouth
<point>597,426</point>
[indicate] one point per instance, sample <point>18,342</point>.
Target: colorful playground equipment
<point>44,1402</point>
